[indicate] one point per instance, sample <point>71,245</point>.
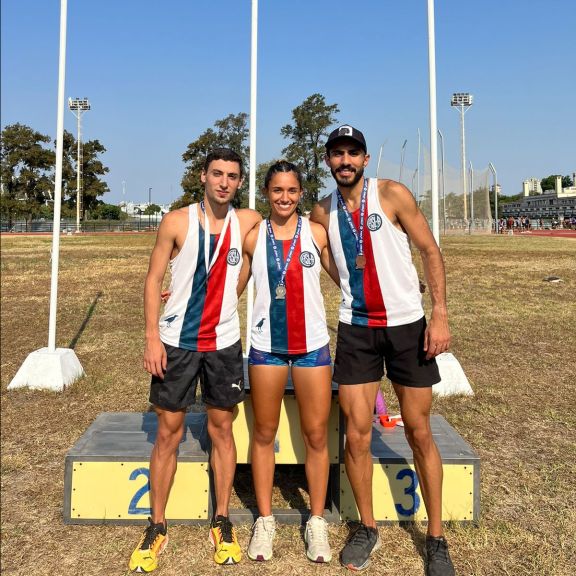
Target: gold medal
<point>360,262</point>
<point>280,292</point>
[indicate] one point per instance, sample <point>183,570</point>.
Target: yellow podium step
<point>107,472</point>
<point>396,491</point>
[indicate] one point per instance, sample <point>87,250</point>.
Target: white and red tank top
<point>202,311</point>
<point>386,292</point>
<point>296,324</point>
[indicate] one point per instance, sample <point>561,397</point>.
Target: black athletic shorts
<point>361,353</point>
<point>221,376</point>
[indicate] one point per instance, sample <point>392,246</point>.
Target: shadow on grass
<point>74,340</point>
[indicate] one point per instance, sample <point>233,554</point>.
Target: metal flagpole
<point>433,123</point>
<point>252,183</point>
<point>53,368</point>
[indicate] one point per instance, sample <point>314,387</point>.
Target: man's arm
<point>326,258</point>
<point>401,201</point>
<point>247,252</point>
<point>154,351</point>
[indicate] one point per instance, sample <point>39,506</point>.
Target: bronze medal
<point>280,292</point>
<point>360,262</point>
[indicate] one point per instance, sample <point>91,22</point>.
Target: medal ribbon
<point>209,263</point>
<point>284,269</point>
<point>358,235</point>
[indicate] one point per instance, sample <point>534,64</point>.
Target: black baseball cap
<point>349,132</point>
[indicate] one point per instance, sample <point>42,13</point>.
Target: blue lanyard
<point>359,236</point>
<point>284,269</point>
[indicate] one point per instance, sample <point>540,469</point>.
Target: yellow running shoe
<point>151,545</point>
<point>223,537</point>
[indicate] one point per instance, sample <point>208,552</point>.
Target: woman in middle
<point>284,254</point>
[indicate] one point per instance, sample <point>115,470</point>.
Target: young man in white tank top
<point>370,225</point>
<point>198,335</point>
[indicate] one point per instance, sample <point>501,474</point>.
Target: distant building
<point>559,203</point>
<point>136,210</point>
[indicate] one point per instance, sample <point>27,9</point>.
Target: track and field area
<point>513,333</point>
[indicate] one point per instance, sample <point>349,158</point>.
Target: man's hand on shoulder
<point>321,212</point>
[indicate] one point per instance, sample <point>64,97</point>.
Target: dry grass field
<point>513,333</point>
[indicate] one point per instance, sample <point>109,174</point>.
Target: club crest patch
<point>307,259</point>
<point>374,222</point>
<point>233,257</point>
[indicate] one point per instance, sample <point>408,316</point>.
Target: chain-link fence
<point>144,224</point>
<point>457,212</point>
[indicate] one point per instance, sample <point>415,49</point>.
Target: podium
<point>107,470</point>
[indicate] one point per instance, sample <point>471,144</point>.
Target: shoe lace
<point>150,535</point>
<point>437,549</point>
<point>361,537</point>
<point>225,527</point>
<point>261,529</point>
<point>318,531</point>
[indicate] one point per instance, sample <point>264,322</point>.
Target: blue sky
<point>160,73</point>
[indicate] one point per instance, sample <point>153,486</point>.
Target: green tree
<point>230,132</point>
<point>549,183</point>
<point>105,211</point>
<point>311,121</point>
<point>24,171</point>
<point>152,209</point>
<point>92,170</point>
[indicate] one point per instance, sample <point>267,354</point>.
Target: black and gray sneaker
<point>361,545</point>
<point>438,562</point>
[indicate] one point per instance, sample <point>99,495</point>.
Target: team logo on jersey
<point>260,324</point>
<point>233,257</point>
<point>374,222</point>
<point>307,259</point>
<point>168,321</point>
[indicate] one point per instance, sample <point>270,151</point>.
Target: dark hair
<point>282,166</point>
<point>224,154</point>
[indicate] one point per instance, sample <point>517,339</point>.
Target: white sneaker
<point>260,547</point>
<point>316,538</point>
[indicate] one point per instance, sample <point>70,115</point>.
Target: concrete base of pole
<point>454,381</point>
<point>44,370</point>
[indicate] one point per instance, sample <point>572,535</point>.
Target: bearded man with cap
<point>370,224</point>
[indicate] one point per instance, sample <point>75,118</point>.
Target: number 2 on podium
<point>133,507</point>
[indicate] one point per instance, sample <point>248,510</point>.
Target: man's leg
<point>162,470</point>
<point>357,403</point>
<point>415,404</point>
<point>223,455</point>
<point>163,459</point>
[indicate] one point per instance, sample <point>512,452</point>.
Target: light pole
<point>402,161</point>
<point>418,170</point>
<point>493,170</point>
<point>380,158</point>
<point>462,101</point>
<point>471,198</point>
<point>78,106</point>
<point>149,204</point>
<point>443,177</point>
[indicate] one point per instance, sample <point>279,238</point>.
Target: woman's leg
<point>313,387</point>
<point>267,385</point>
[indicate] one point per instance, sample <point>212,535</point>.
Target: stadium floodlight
<point>462,101</point>
<point>78,106</point>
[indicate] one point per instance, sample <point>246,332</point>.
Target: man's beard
<point>348,183</point>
